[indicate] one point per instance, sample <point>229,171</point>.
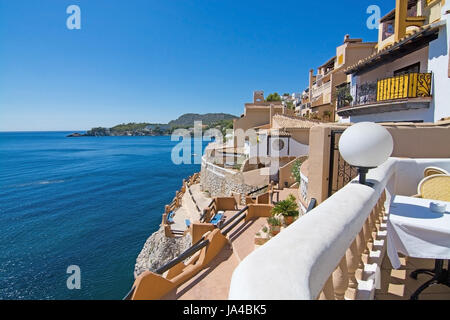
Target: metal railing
<point>188,253</point>
<point>343,96</point>
<point>203,216</point>
<point>411,85</point>
<point>229,221</point>
<point>185,255</point>
<point>193,200</point>
<point>258,190</point>
<point>129,294</point>
<point>234,221</point>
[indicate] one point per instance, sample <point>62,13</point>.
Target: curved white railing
<point>301,260</point>
<point>215,168</point>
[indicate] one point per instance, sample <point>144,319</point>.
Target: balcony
<point>399,93</point>
<point>319,90</point>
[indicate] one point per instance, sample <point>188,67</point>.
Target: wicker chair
<point>431,171</point>
<point>436,187</point>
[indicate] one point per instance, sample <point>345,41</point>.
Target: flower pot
<point>274,230</point>
<point>260,240</point>
<point>289,220</point>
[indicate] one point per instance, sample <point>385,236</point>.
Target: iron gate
<point>341,172</point>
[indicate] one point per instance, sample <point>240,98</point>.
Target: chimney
<point>272,113</point>
<point>311,80</point>
<point>258,96</point>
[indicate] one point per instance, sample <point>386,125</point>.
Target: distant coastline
<point>221,121</point>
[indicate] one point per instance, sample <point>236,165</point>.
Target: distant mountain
<point>218,120</point>
<point>187,120</point>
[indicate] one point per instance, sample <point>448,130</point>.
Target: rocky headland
<point>221,121</point>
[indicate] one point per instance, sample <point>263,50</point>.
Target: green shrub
<point>274,221</point>
<point>287,208</point>
<point>296,170</point>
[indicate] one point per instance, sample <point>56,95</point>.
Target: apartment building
<point>330,76</point>
<point>407,78</point>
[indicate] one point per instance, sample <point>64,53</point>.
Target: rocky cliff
<point>159,250</point>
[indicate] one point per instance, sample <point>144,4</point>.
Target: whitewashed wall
<point>292,148</point>
<point>438,64</point>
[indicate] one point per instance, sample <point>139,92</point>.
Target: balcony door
<point>414,68</point>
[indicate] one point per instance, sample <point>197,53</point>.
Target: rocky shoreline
<point>115,134</point>
<point>159,250</point>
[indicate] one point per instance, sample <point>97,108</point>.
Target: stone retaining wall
<point>220,182</point>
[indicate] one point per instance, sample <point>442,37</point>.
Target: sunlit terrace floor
<point>188,209</point>
<point>213,283</point>
<point>398,285</point>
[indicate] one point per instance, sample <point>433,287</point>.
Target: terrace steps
<point>214,281</point>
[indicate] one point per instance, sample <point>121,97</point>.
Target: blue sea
<point>89,201</point>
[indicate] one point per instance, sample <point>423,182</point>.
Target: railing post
<point>328,290</point>
<point>367,237</point>
<point>370,236</point>
<point>373,218</point>
<point>361,246</point>
<point>383,209</point>
<point>353,258</point>
<point>340,280</point>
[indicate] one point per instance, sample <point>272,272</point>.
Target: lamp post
<point>366,145</point>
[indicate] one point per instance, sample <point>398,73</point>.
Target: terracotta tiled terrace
<point>398,285</point>
<point>213,282</point>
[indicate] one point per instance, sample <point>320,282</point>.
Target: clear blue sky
<point>151,61</point>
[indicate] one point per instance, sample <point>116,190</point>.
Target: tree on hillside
<point>273,97</point>
<point>290,105</point>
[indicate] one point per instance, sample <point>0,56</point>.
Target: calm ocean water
<point>88,201</point>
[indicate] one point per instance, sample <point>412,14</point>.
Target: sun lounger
<point>217,218</point>
<point>170,217</point>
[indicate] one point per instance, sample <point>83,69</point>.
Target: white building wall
<point>425,115</point>
<point>292,148</point>
<point>298,149</point>
<point>438,64</point>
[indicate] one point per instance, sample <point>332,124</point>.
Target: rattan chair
<point>436,187</point>
<point>431,171</point>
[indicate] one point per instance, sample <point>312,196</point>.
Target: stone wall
<point>220,182</point>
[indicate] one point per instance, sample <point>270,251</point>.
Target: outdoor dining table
<point>416,231</point>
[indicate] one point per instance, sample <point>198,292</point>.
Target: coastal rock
<point>75,135</point>
<point>159,250</point>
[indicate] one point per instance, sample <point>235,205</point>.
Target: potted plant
<point>261,238</point>
<point>275,225</point>
<point>288,209</point>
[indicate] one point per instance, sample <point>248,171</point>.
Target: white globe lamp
<point>366,145</point>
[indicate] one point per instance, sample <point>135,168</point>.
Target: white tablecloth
<point>415,231</point>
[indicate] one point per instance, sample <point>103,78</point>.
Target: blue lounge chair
<point>217,218</point>
<point>170,217</point>
<point>188,222</point>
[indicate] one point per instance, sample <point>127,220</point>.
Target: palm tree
<point>287,208</point>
